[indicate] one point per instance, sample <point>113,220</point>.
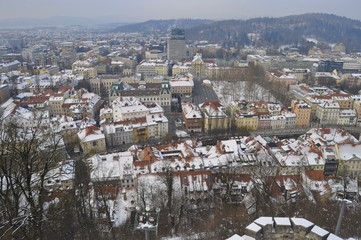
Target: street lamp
<point>147,220</point>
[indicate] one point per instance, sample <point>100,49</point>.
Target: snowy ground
<point>181,133</point>
<point>229,91</point>
<point>123,207</point>
<point>196,236</point>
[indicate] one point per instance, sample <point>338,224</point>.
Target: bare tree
<point>27,157</point>
<point>176,202</point>
<point>263,178</point>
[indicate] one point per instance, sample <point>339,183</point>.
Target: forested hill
<point>161,26</point>
<point>284,30</point>
<point>271,31</point>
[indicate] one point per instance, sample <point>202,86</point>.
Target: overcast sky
<point>141,10</point>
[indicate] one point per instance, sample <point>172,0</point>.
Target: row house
<point>278,122</point>
<point>118,133</point>
<point>106,114</point>
<point>347,117</point>
<point>248,122</point>
<point>302,111</point>
<point>345,101</point>
<point>357,107</point>
<point>192,117</point>
<point>290,119</point>
<point>327,112</point>
<point>259,107</point>
<point>264,122</point>
<point>318,150</point>
<point>248,116</point>
<point>75,104</point>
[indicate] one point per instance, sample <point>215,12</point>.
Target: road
<point>300,131</point>
<point>202,93</point>
<point>280,132</point>
<point>172,116</point>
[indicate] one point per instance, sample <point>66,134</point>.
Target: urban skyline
<point>128,11</point>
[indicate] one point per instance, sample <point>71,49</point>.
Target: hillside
<point>161,26</point>
<point>284,30</point>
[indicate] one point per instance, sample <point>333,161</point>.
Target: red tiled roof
<point>340,95</point>
<point>91,130</point>
<point>48,91</point>
<point>64,89</point>
<point>213,104</point>
<point>325,130</point>
<point>315,175</point>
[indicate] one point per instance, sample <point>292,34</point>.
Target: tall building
<point>176,47</point>
<point>4,93</point>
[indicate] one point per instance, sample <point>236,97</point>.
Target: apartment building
<point>302,111</point>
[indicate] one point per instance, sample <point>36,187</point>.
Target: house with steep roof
<point>92,140</point>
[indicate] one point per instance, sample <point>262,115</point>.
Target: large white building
<point>347,117</point>
<point>327,112</point>
<point>153,67</point>
<point>182,85</point>
<point>126,108</point>
<point>134,121</point>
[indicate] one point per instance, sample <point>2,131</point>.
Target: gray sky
<point>141,10</point>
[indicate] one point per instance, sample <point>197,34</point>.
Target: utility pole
<point>147,235</point>
<point>340,217</point>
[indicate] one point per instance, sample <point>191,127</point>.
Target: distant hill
<point>284,30</point>
<point>161,26</point>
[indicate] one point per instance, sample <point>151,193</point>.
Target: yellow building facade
<point>302,111</point>
<point>249,122</point>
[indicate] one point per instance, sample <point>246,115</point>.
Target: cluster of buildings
<point>200,68</point>
<point>127,101</point>
<point>283,227</point>
<point>292,168</point>
<point>128,120</point>
<point>212,115</point>
<point>327,106</point>
<point>332,151</point>
<point>66,111</point>
<point>72,113</point>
